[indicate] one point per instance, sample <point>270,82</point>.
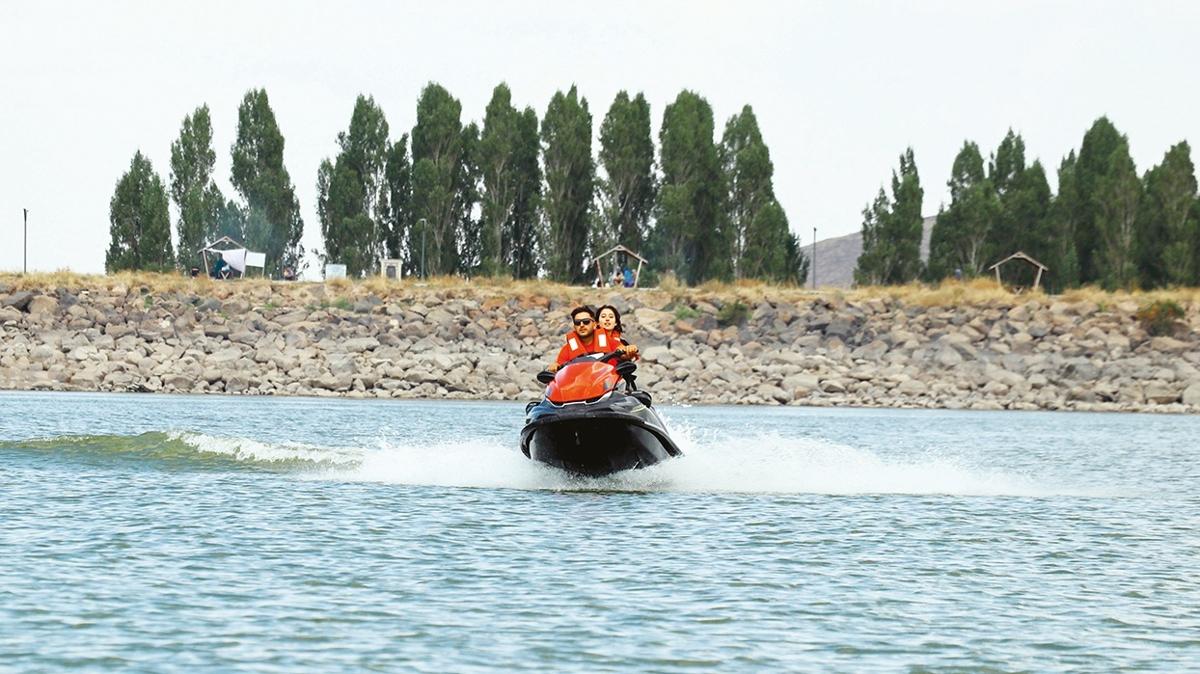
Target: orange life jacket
<point>574,348</point>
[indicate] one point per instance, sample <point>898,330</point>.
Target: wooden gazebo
<point>1020,255</point>
<point>615,250</point>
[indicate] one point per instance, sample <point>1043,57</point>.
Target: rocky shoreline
<point>465,341</point>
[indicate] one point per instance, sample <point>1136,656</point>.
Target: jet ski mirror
<point>626,367</point>
<point>545,376</point>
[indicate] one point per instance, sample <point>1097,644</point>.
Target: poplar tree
<point>139,224</point>
<point>691,234</point>
<point>906,226</point>
<point>351,194</point>
<point>878,249</point>
<point>1116,195</point>
<point>1091,168</point>
<point>193,189</point>
<point>466,195</point>
<point>748,175</point>
<point>397,217</point>
<point>525,229</point>
<point>1064,216</point>
<point>1024,222</point>
<point>892,230</point>
<point>438,158</point>
<point>959,241</point>
<point>272,222</point>
<point>498,146</point>
<point>628,188</point>
<point>570,184</point>
<point>1166,223</point>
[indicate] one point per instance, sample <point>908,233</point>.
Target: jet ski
<point>594,421</point>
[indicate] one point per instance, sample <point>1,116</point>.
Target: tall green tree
<point>1024,222</point>
<point>691,235</point>
<point>796,263</point>
<point>193,189</point>
<point>467,193</point>
<point>438,165</point>
<point>351,192</point>
<point>892,230</point>
<point>748,175</point>
<point>959,241</point>
<point>499,144</point>
<point>525,231</point>
<point>1008,163</point>
<point>1167,226</point>
<point>140,226</point>
<point>877,249</point>
<point>628,187</point>
<point>1063,219</point>
<point>1091,168</point>
<point>570,184</point>
<point>1117,194</point>
<point>272,221</point>
<point>397,219</point>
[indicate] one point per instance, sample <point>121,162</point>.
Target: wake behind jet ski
<point>593,421</point>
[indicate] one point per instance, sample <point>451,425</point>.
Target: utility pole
<point>814,260</point>
<point>25,244</point>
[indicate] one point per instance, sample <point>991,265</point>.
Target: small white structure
<point>333,271</point>
<point>235,256</point>
<point>391,269</point>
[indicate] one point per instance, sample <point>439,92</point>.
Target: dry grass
<point>979,291</point>
<point>975,292</point>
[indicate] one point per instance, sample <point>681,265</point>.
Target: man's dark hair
<point>585,309</point>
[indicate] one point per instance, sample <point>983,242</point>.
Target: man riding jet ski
<point>592,419</point>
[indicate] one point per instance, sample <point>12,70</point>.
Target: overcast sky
<point>839,88</point>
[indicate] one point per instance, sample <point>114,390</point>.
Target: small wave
<point>180,449</point>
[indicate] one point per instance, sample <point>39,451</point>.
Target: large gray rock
<point>1191,394</point>
<point>18,300</point>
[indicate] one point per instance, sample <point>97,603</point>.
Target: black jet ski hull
<point>601,438</point>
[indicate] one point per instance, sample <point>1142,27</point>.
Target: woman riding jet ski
<point>592,419</point>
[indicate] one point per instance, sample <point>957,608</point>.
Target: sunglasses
<point>583,321</point>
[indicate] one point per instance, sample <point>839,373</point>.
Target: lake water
<point>186,534</point>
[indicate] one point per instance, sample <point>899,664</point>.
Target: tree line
<point>1105,226</point>
<point>516,196</point>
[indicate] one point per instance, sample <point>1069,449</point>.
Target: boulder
<point>360,344</point>
<point>42,305</point>
<point>1191,394</point>
<point>18,300</point>
<point>1160,393</point>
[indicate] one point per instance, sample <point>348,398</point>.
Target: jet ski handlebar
<point>546,376</point>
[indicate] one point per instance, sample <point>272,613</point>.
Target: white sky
<point>840,88</point>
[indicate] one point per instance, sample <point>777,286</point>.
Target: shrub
<point>669,283</point>
<point>732,313</point>
<point>685,313</point>
<point>1160,317</point>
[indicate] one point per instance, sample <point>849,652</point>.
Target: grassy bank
<point>978,292</point>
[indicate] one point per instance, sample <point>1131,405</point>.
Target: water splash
<point>712,462</point>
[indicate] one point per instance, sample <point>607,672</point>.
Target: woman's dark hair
<point>585,309</point>
<point>616,314</point>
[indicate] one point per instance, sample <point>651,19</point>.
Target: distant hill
<point>837,257</point>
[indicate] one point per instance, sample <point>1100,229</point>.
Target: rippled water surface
<point>185,534</point>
